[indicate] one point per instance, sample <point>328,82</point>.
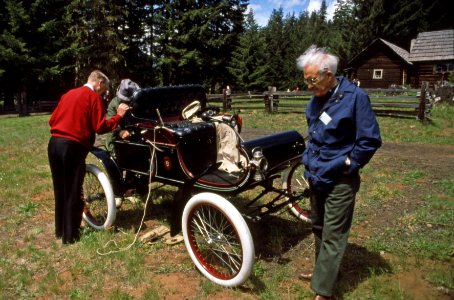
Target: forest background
<point>50,46</point>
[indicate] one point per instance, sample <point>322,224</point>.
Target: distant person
<point>343,137</point>
<point>78,117</point>
<point>124,94</point>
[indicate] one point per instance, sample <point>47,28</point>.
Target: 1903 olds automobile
<point>176,139</point>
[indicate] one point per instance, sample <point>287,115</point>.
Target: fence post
<point>226,100</point>
<point>269,103</point>
<point>422,102</point>
<point>266,99</point>
<point>275,101</point>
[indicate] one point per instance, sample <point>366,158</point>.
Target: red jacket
<point>79,115</point>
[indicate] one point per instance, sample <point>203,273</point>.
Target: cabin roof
<point>402,53</point>
<point>433,46</point>
<point>399,51</point>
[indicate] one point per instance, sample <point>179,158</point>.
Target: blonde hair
<point>320,57</point>
<point>96,76</point>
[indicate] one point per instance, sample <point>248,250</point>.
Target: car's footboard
<point>278,149</point>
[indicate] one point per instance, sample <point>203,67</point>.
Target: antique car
<point>177,139</point>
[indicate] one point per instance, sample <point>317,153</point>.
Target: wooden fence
<point>410,103</point>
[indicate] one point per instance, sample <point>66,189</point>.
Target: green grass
<point>440,130</point>
<point>419,236</point>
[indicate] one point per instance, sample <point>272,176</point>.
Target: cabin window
<point>378,74</point>
<point>443,68</point>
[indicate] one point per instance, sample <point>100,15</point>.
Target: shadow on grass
<point>129,216</point>
<point>275,235</point>
<point>357,266</point>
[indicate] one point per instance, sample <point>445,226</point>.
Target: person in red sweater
<point>78,117</point>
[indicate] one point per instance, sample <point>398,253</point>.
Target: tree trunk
<point>22,106</point>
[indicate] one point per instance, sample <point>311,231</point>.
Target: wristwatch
<point>348,162</point>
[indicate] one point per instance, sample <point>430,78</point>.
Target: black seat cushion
<point>170,100</point>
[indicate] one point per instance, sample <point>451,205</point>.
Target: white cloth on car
<point>228,144</point>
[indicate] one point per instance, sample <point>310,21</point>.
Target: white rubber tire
<point>97,187</point>
<point>227,253</point>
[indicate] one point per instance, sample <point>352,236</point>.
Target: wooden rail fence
<point>410,103</point>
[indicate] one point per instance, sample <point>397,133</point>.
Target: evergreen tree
<point>134,34</point>
<point>321,29</point>
<point>292,75</point>
<point>49,44</point>
<point>197,39</point>
<point>54,43</point>
<point>96,30</point>
<point>275,47</point>
<point>407,18</point>
<point>26,51</point>
<point>342,33</point>
<point>248,67</point>
<point>15,57</point>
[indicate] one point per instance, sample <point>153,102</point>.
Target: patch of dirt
<point>436,159</point>
<point>178,286</point>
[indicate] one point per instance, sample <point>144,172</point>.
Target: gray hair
<point>320,57</point>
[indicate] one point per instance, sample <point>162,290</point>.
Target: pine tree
<point>342,32</point>
<point>292,75</point>
<point>25,52</point>
<point>197,39</point>
<point>275,47</point>
<point>16,60</point>
<point>96,33</point>
<point>248,67</point>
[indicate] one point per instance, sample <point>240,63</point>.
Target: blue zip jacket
<point>344,125</point>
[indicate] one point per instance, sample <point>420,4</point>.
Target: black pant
<point>67,164</point>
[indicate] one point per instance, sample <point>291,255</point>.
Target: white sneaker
<point>118,201</point>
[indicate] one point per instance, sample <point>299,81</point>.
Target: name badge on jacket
<point>325,118</point>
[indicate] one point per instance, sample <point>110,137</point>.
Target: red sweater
<point>79,115</point>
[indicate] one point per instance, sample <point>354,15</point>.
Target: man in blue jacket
<point>343,137</point>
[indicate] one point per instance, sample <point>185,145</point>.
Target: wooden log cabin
<point>432,54</point>
<point>381,65</point>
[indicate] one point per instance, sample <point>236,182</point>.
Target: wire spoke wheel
<point>218,239</point>
<point>296,184</point>
<point>99,203</point>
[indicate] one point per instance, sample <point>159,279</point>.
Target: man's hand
<point>122,109</point>
<point>124,134</point>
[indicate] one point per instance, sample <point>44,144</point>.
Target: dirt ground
<point>438,161</point>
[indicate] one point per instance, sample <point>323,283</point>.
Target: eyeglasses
<point>312,80</point>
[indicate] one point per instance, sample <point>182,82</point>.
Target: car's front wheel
<point>218,239</point>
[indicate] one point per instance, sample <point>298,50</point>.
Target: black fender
<point>278,148</point>
<point>111,168</point>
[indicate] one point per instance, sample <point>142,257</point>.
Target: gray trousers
<point>332,213</point>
